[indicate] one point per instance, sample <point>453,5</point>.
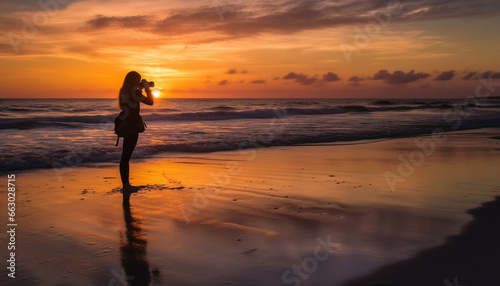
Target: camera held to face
<point>147,84</point>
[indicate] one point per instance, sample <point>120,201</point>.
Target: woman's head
<point>132,79</point>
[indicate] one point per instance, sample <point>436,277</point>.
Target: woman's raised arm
<point>149,100</point>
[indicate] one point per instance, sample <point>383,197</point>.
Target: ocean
<point>54,133</point>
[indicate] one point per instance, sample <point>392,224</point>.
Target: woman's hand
<point>145,84</point>
<point>149,100</point>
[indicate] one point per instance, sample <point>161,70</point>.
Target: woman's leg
<point>129,143</point>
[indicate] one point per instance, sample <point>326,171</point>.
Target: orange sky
<point>235,48</point>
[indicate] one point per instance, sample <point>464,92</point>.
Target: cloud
<point>235,71</point>
<point>259,81</point>
<point>33,6</point>
<point>102,22</point>
<point>446,75</point>
<point>286,17</point>
<point>399,77</point>
<point>475,75</point>
<point>487,74</point>
<point>491,74</point>
<point>290,16</point>
<point>469,75</point>
<point>329,77</point>
<point>223,82</point>
<point>307,80</point>
<point>300,78</point>
<point>355,80</point>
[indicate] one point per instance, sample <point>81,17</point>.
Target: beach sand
<point>321,214</point>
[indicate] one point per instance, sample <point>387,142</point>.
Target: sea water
<point>48,133</point>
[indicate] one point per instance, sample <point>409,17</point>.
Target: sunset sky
<point>254,48</point>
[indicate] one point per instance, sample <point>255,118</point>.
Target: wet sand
<point>304,215</point>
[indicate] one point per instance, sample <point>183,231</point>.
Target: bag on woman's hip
<point>128,125</point>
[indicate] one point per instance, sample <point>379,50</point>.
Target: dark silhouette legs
<point>129,143</point>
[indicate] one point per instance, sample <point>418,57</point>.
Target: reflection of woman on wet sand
<point>133,252</point>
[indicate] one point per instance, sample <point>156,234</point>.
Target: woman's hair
<point>132,79</point>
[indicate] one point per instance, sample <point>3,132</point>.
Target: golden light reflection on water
<point>344,174</point>
<point>263,212</point>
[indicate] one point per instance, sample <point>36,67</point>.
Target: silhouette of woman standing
<point>129,100</point>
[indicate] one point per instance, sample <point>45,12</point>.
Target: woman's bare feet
<point>130,189</point>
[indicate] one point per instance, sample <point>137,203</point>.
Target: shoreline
<point>246,217</point>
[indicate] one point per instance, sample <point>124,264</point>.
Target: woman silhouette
<point>129,100</point>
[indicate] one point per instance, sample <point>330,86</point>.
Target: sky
<point>253,48</point>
